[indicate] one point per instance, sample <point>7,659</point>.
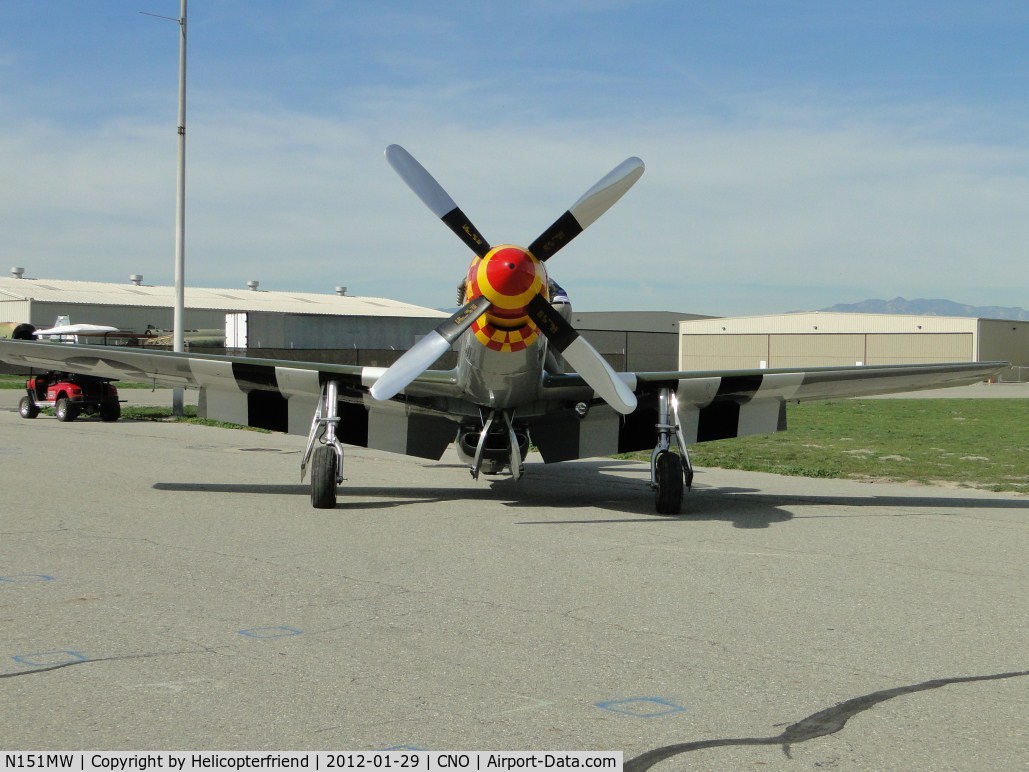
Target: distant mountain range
<point>925,307</point>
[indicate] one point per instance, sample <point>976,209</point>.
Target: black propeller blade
<point>587,362</point>
<point>417,359</point>
<point>438,200</point>
<point>593,203</point>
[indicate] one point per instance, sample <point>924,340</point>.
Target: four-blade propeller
<point>590,365</point>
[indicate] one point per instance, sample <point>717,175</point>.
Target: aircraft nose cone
<point>511,277</point>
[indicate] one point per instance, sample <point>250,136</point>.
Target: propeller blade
<point>438,200</point>
<point>593,203</point>
<point>418,358</point>
<point>593,368</point>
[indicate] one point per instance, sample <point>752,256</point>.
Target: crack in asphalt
<point>50,668</point>
<point>821,724</point>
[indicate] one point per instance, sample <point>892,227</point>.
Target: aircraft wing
<point>279,395</point>
<point>716,405</point>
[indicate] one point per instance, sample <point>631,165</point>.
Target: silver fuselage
<point>499,379</point>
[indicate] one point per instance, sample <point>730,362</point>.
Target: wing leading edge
<point>281,395</point>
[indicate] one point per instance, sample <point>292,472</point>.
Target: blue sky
<point>799,154</point>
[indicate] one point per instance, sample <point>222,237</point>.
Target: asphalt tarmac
<point>168,587</point>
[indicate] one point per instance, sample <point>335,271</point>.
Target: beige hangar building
<point>823,338</point>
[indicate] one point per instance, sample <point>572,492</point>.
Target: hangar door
<point>236,330</point>
<point>748,352</point>
<point>723,352</point>
<point>817,350</point>
<point>918,348</point>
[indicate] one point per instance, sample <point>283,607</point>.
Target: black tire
<point>110,411</point>
<point>323,478</point>
<point>668,496</point>
<point>27,408</point>
<point>66,410</point>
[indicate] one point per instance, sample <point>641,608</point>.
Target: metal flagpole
<point>178,339</point>
<point>178,343</point>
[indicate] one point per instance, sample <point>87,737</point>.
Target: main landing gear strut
<point>324,450</point>
<point>670,472</point>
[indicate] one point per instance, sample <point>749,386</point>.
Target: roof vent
<point>341,291</point>
<point>136,279</point>
<point>17,272</point>
<point>253,284</point>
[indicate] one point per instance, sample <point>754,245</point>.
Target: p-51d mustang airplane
<point>505,390</point>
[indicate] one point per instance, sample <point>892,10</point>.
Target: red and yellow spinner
<point>509,277</point>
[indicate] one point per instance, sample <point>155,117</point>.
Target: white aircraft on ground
<point>66,332</point>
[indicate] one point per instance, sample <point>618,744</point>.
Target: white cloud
<point>776,208</point>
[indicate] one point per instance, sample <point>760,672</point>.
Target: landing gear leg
<point>327,458</point>
<point>515,457</point>
<point>670,472</point>
<point>515,461</point>
<point>481,446</point>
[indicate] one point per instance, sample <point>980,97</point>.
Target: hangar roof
<point>88,292</point>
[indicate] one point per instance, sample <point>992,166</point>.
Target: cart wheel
<point>27,408</point>
<point>65,410</point>
<point>110,411</point>
<point>323,478</point>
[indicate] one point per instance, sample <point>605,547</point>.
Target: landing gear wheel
<point>110,411</point>
<point>65,410</point>
<point>27,408</point>
<point>668,495</point>
<point>323,478</point>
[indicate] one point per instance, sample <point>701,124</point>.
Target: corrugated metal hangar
<point>820,338</point>
<point>327,327</point>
